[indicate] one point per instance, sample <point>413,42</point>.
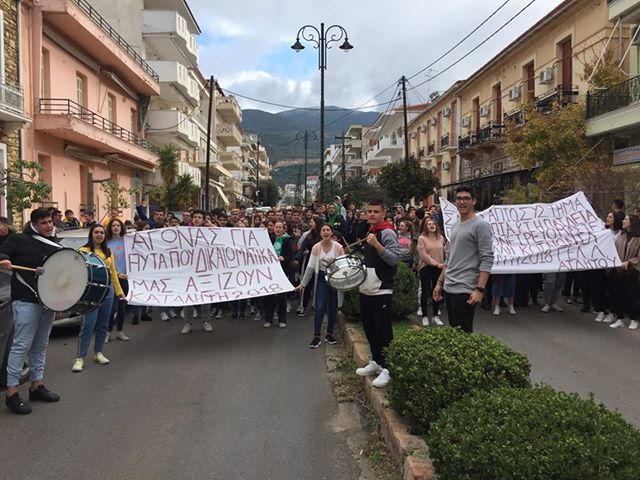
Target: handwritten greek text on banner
<point>544,237</point>
<point>196,265</point>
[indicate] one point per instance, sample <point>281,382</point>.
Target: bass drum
<point>73,281</point>
<point>346,273</point>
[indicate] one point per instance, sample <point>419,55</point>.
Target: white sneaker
<point>182,313</point>
<point>101,359</point>
<point>252,310</point>
<point>617,324</point>
<point>419,313</point>
<point>633,325</point>
<point>78,365</point>
<point>425,321</point>
<point>206,326</point>
<point>220,314</point>
<point>545,309</point>
<point>600,317</point>
<point>267,325</point>
<point>173,314</point>
<point>164,317</point>
<point>556,308</point>
<point>382,379</point>
<point>288,307</point>
<point>122,336</point>
<point>437,321</point>
<point>496,310</point>
<point>609,318</point>
<point>512,311</point>
<point>186,328</point>
<point>258,317</point>
<point>371,369</point>
<point>108,338</point>
<point>282,325</point>
<point>195,313</point>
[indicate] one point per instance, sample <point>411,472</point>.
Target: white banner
<point>566,235</point>
<point>197,265</point>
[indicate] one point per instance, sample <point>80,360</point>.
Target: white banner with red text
<point>182,266</point>
<point>562,236</point>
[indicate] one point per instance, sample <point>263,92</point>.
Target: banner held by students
<point>566,235</point>
<point>196,265</point>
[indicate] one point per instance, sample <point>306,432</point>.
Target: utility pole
<point>296,199</point>
<point>208,161</point>
<point>343,172</point>
<point>406,141</point>
<point>258,171</point>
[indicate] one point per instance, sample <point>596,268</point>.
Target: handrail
<point>614,98</point>
<point>115,36</point>
<point>12,96</point>
<point>65,106</point>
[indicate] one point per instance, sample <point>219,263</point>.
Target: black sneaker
<point>330,339</point>
<point>41,394</point>
<point>17,405</point>
<point>315,343</point>
<point>146,318</point>
<point>300,311</point>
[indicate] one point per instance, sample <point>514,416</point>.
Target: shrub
<point>432,368</point>
<point>403,302</point>
<point>533,434</point>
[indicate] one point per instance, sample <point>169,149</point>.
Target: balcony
<point>86,28</point>
<point>627,9</point>
<point>444,141</point>
<point>513,117</point>
<point>229,109</point>
<point>229,134</point>
<point>484,138</point>
<point>232,185</point>
<point>177,88</point>
<point>421,152</point>
<point>465,142</point>
<point>12,107</point>
<point>231,160</point>
<point>387,146</point>
<point>561,95</point>
<point>166,125</point>
<point>614,109</point>
<point>65,119</point>
<point>431,149</point>
<point>195,173</point>
<point>166,32</point>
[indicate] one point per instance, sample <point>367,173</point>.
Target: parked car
<point>6,329</point>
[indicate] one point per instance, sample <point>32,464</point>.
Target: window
<point>134,120</point>
<point>529,73</point>
<point>81,89</point>
<point>111,109</point>
<point>497,101</point>
<point>45,76</point>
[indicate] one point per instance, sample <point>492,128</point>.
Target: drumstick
<point>356,243</point>
<point>37,270</point>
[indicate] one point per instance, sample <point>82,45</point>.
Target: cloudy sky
<point>246,44</point>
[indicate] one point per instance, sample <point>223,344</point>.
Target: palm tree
<point>168,164</point>
<point>183,193</point>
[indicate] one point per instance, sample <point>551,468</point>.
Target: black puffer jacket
<point>24,250</point>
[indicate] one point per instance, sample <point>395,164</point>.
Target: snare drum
<point>73,280</point>
<point>346,273</point>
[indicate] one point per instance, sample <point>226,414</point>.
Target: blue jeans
<point>326,298</point>
<point>97,320</point>
<point>32,326</point>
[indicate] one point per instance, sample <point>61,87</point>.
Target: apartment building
<point>614,113</point>
<point>88,92</point>
<point>354,157</point>
<point>12,110</point>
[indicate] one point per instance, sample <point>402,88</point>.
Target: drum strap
<point>24,282</point>
<point>41,240</point>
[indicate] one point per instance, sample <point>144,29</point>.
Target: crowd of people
<point>454,272</point>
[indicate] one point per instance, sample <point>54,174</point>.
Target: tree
<point>22,186</point>
<point>183,193</point>
<point>360,191</point>
<point>393,176</point>
<point>168,164</point>
<point>269,192</point>
<point>117,195</point>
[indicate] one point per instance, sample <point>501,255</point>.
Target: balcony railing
<point>432,148</point>
<point>614,98</point>
<point>465,142</point>
<point>12,98</point>
<point>513,116</point>
<point>562,95</point>
<point>489,131</point>
<point>64,106</point>
<point>115,36</point>
<point>444,141</point>
<point>421,152</point>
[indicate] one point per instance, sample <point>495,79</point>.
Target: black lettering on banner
<point>143,239</point>
<point>169,235</point>
<point>191,284</point>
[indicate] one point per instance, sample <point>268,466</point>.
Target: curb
<point>409,451</point>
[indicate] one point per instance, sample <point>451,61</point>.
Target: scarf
<point>277,245</point>
<point>381,226</point>
<point>331,219</point>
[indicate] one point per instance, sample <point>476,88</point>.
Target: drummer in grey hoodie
<point>380,260</point>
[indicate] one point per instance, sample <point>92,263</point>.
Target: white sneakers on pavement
<point>382,379</point>
<point>600,317</point>
<point>206,326</point>
<point>610,318</point>
<point>164,317</point>
<point>546,308</point>
<point>437,321</point>
<point>425,321</point>
<point>496,310</point>
<point>371,369</point>
<point>282,325</point>
<point>556,308</point>
<point>186,328</point>
<point>101,359</point>
<point>617,324</point>
<point>633,325</point>
<point>78,365</point>
<point>122,336</point>
<point>512,311</point>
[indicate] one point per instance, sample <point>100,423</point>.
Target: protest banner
<point>196,265</point>
<point>566,235</point>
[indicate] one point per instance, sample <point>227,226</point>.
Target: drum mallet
<point>355,243</point>
<point>37,270</point>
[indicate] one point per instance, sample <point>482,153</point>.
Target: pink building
<point>88,93</point>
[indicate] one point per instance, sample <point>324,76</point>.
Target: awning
<point>222,195</point>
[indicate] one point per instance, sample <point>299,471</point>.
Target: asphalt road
<point>571,352</point>
<point>242,402</point>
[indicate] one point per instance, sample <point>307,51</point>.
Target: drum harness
<point>46,242</point>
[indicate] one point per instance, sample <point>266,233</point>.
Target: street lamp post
<point>322,41</point>
<point>306,135</point>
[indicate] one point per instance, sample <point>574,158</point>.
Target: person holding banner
<point>285,250</point>
<point>468,263</point>
<point>624,279</point>
<point>98,320</point>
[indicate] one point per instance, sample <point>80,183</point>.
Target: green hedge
<point>403,302</point>
<point>432,368</point>
<point>533,434</point>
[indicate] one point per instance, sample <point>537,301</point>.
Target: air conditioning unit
<point>433,121</point>
<point>485,110</point>
<point>466,121</point>
<point>446,166</point>
<point>546,76</point>
<point>635,35</point>
<point>514,93</point>
<point>446,112</point>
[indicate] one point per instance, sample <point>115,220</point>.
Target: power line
<point>460,42</point>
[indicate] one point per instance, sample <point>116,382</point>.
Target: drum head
<point>64,280</point>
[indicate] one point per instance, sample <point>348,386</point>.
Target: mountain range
<point>278,130</point>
